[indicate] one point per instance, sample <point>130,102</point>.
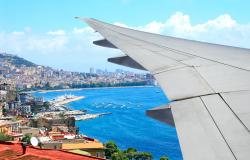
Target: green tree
<point>4,137</point>
<point>112,152</point>
<point>46,105</point>
<point>130,150</point>
<point>164,158</point>
<point>119,156</point>
<point>4,111</point>
<point>143,156</point>
<point>111,148</point>
<point>26,138</point>
<point>130,153</point>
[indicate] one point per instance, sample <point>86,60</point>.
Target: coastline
<point>79,89</point>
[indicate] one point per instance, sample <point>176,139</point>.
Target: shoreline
<point>79,89</point>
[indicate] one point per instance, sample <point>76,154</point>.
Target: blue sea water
<point>128,125</point>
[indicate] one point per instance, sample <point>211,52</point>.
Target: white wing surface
<point>208,85</point>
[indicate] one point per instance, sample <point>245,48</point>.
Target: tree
<point>46,105</point>
<point>113,152</point>
<point>111,148</point>
<point>119,156</point>
<point>26,138</point>
<point>130,150</point>
<point>164,158</point>
<point>130,153</point>
<point>143,156</point>
<point>4,137</point>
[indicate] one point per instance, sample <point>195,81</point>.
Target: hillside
<point>15,60</point>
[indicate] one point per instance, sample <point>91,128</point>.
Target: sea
<point>128,125</point>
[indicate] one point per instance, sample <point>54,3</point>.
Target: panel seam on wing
<point>233,112</point>
<point>217,127</point>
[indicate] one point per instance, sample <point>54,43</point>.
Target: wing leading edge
<point>208,85</point>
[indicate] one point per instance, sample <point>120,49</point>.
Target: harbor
<point>65,99</point>
<point>58,108</point>
<point>90,116</point>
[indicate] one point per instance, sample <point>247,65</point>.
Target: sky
<point>46,33</point>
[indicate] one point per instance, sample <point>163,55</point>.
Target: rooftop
<point>14,151</point>
<point>84,145</point>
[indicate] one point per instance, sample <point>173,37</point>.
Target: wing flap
<point>239,103</point>
<point>198,135</point>
<point>234,132</point>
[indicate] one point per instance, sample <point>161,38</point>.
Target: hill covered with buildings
<point>15,60</point>
<point>25,75</point>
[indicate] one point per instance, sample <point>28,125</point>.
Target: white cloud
<point>27,29</point>
<point>59,32</point>
<point>75,51</point>
<point>82,30</point>
<point>222,29</point>
<point>15,33</point>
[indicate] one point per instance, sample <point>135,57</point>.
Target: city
<point>25,76</point>
<point>24,116</point>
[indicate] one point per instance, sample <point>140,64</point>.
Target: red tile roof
<point>11,151</point>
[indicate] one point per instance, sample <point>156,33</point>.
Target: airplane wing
<point>208,85</point>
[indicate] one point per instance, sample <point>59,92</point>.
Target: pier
<point>90,116</point>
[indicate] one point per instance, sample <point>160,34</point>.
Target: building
<point>29,130</point>
<point>14,151</point>
<point>39,101</point>
<point>89,145</point>
<point>59,128</point>
<point>3,94</point>
<point>5,87</point>
<point>55,122</point>
<point>51,145</point>
<point>26,98</point>
<point>91,70</point>
<point>23,109</point>
<point>11,128</point>
<point>1,109</point>
<point>8,127</point>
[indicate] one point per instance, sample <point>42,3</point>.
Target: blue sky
<point>45,31</point>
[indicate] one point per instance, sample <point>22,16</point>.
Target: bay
<point>128,124</point>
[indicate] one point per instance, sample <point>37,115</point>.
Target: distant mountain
<point>15,60</point>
